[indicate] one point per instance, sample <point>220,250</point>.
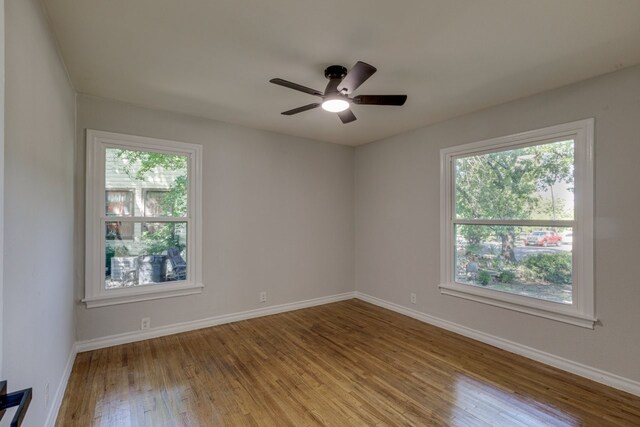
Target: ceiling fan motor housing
<point>335,72</point>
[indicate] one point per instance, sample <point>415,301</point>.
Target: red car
<point>543,238</point>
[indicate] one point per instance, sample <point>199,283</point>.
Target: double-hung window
<point>517,222</point>
<point>143,219</point>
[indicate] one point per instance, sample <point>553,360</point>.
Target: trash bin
<point>150,268</point>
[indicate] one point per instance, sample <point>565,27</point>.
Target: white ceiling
<point>214,58</point>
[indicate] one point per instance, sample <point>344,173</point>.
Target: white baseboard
<point>603,377</point>
<point>600,376</point>
<point>176,328</point>
<point>56,402</point>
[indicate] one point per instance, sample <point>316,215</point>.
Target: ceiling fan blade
<point>301,109</point>
<point>347,116</point>
<point>380,99</point>
<point>356,76</point>
<point>296,86</point>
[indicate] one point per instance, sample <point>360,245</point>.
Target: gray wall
<point>39,328</point>
<point>2,100</point>
<point>278,216</point>
<point>398,218</point>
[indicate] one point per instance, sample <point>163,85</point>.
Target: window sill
<point>549,310</point>
<point>145,293</point>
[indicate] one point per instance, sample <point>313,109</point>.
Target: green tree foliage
<point>138,164</point>
<point>506,185</point>
<point>146,166</point>
<point>506,276</point>
<point>474,235</point>
<point>552,268</point>
<point>484,278</point>
<point>159,237</point>
<point>557,166</point>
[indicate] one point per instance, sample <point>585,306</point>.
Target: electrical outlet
<point>46,395</point>
<point>414,298</point>
<point>145,323</point>
<point>263,296</point>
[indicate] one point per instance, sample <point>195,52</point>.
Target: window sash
<point>147,220</point>
<point>543,301</point>
<point>156,149</point>
<point>500,149</point>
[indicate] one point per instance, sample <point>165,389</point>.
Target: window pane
<point>136,173</point>
<point>530,261</point>
<point>118,203</point>
<point>157,203</point>
<point>119,231</point>
<point>155,254</point>
<point>524,183</point>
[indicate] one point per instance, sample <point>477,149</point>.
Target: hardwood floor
<point>342,364</point>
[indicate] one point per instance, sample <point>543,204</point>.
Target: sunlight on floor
<point>485,400</point>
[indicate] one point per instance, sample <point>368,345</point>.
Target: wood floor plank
<point>342,364</point>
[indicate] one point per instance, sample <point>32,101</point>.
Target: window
<point>511,207</point>
<point>143,219</point>
<point>156,203</point>
<point>118,204</point>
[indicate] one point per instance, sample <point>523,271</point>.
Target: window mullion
<point>144,219</point>
<point>516,222</point>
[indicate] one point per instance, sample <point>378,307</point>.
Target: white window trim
<point>582,310</point>
<point>95,293</point>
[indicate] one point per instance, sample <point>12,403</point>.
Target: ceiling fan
<point>341,84</point>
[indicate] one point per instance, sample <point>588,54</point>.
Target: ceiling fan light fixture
<point>335,105</point>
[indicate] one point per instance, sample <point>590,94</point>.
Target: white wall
<point>39,328</point>
<point>397,220</point>
<point>278,216</point>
